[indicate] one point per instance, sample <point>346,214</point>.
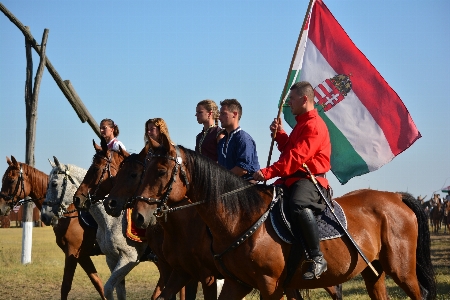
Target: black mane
<point>209,181</point>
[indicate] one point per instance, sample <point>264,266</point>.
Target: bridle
<point>91,199</point>
<point>162,207</point>
<point>20,183</point>
<point>62,209</point>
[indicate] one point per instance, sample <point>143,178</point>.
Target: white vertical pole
<point>27,232</point>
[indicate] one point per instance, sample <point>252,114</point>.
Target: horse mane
<point>209,181</point>
<point>39,180</point>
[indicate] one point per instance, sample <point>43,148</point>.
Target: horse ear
<point>51,163</point>
<point>123,152</point>
<point>96,147</point>
<point>14,161</point>
<point>104,144</point>
<point>56,161</point>
<point>8,161</point>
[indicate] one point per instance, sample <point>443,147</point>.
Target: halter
<point>91,198</point>
<point>162,207</point>
<point>62,210</point>
<point>15,193</point>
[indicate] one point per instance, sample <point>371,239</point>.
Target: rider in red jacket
<point>309,142</point>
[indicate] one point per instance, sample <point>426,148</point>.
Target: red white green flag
<point>368,123</point>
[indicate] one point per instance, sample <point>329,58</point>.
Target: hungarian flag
<point>368,123</point>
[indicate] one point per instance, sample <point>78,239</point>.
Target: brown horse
<point>108,168</point>
<point>390,228</point>
<point>21,180</point>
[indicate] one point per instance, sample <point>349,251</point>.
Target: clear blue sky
<point>135,60</point>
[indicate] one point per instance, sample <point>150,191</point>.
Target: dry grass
<point>42,278</point>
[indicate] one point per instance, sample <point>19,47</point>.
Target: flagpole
<point>284,92</point>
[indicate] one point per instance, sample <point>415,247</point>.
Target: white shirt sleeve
<point>117,144</point>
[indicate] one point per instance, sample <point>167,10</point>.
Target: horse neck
<point>38,184</point>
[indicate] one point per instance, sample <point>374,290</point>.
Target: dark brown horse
<point>191,260</point>
<point>108,168</point>
<point>390,228</point>
<point>21,180</point>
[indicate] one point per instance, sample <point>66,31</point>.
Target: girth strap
<point>241,240</point>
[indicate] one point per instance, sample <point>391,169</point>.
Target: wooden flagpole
<point>284,92</point>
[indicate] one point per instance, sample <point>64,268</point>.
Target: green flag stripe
<point>343,154</point>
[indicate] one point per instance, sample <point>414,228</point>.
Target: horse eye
<point>162,172</point>
<point>134,175</point>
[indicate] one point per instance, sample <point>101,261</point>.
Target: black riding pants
<point>303,194</point>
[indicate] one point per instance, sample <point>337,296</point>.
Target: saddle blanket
<point>329,228</point>
<point>134,233</point>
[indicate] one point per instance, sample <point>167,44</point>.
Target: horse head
<point>128,179</point>
<point>62,184</point>
<point>99,178</point>
<point>15,186</point>
<point>165,182</point>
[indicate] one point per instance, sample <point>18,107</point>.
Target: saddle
<point>86,218</point>
<point>329,228</point>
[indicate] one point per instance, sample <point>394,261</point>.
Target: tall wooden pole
<point>31,103</point>
<point>27,216</point>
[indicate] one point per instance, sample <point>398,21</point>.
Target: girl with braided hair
<point>207,113</point>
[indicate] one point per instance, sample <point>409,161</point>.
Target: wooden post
<point>27,217</point>
<point>74,102</point>
<point>31,102</point>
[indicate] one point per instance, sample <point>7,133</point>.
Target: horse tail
<point>424,268</point>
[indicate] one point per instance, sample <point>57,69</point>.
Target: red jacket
<point>309,142</point>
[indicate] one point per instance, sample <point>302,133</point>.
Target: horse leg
<point>293,294</point>
<point>209,290</point>
<point>177,280</point>
<point>232,290</point>
<point>191,291</point>
<point>70,264</point>
<point>375,286</point>
<point>401,267</point>
<point>88,266</point>
<point>117,278</point>
<point>109,287</point>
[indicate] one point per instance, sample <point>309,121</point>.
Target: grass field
<point>41,278</point>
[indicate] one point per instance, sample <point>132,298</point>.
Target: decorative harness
<point>163,209</point>
<point>20,183</point>
<point>62,209</point>
<point>91,198</point>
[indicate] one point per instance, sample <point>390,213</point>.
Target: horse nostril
<point>112,204</point>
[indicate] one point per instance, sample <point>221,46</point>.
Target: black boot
<point>305,224</point>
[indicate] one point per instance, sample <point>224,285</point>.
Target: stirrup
<point>316,267</point>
